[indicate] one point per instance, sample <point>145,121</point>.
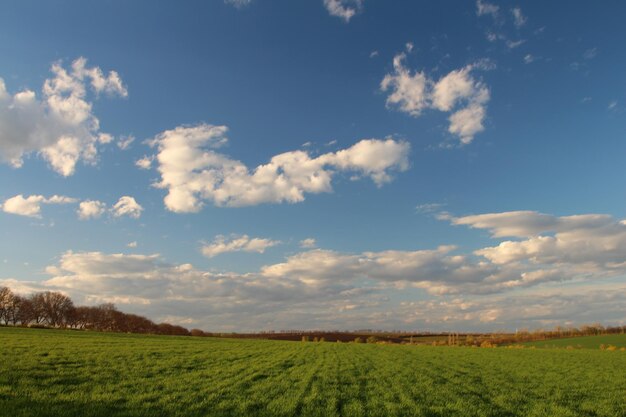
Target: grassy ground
<point>585,342</point>
<point>65,373</point>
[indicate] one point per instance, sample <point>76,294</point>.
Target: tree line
<point>57,310</point>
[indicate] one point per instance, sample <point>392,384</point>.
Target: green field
<point>71,373</point>
<point>584,342</point>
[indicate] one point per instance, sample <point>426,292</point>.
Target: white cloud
<point>409,91</point>
<point>147,285</point>
<point>238,3</point>
<point>467,122</point>
<point>127,206</point>
<point>144,163</point>
<point>91,209</point>
<point>530,223</point>
<point>344,9</point>
<point>457,91</point>
<point>612,105</point>
<point>544,277</point>
<point>518,17</point>
<point>529,59</point>
<point>242,243</point>
<point>193,172</point>
<point>373,54</point>
<point>31,205</point>
<point>514,44</point>
<point>308,243</point>
<point>61,127</point>
<point>132,244</point>
<point>484,8</point>
<point>125,142</point>
<point>589,246</point>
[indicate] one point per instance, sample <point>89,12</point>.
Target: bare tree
<point>6,300</point>
<point>56,308</point>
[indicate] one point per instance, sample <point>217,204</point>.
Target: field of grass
<point>584,342</point>
<point>70,373</point>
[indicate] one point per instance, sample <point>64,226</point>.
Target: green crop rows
<point>67,373</point>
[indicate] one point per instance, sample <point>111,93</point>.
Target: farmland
<point>586,342</point>
<point>67,373</point>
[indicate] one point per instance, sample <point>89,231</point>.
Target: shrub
<point>358,340</point>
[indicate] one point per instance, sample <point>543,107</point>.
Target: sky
<point>247,165</point>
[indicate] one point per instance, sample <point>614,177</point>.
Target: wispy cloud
<point>244,243</point>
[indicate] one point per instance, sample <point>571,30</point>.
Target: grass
<point>584,342</point>
<point>66,373</point>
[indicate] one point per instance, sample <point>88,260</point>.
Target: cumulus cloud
<point>91,209</point>
<point>87,209</point>
<point>149,285</point>
<point>144,163</point>
<point>127,206</point>
<point>344,9</point>
<point>193,172</point>
<point>530,308</point>
<point>61,126</point>
<point>557,269</point>
<point>244,243</point>
<point>553,248</point>
<point>308,243</point>
<point>323,288</point>
<point>31,205</point>
<point>458,92</point>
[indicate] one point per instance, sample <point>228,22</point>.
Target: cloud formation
<point>458,92</point>
<point>88,209</point>
<point>484,8</point>
<point>61,126</point>
<point>31,205</point>
<point>91,209</point>
<point>127,206</point>
<point>193,172</point>
<point>244,243</point>
<point>493,286</point>
<point>518,17</point>
<point>344,9</point>
<point>308,243</point>
<point>238,3</point>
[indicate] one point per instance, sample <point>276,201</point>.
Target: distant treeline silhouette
<point>57,310</point>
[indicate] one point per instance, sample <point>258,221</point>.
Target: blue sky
<point>317,164</point>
